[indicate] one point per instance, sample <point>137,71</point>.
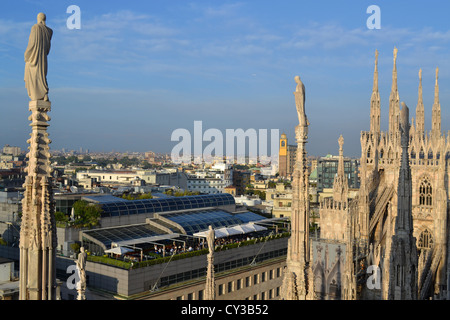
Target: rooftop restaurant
<point>172,226</point>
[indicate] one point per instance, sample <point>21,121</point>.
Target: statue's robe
<point>36,61</point>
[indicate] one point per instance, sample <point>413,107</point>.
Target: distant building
<point>231,190</point>
<point>12,178</point>
<point>121,177</point>
<point>281,197</point>
<point>286,158</point>
<point>327,168</point>
<point>15,151</point>
<point>9,284</point>
<point>211,181</point>
<point>240,180</point>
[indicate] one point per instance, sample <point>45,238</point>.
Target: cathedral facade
<point>404,177</point>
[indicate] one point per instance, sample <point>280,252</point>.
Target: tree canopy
<point>86,215</point>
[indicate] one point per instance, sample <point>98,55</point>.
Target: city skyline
<point>136,72</point>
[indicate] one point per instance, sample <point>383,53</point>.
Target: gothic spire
<point>404,216</point>
<point>436,111</point>
<point>375,100</point>
<point>340,185</point>
<point>403,254</point>
<point>420,110</point>
<point>298,278</point>
<point>394,103</point>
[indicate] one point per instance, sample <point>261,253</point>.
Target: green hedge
<point>110,261</point>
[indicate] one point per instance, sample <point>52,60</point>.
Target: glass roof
<point>195,221</point>
<point>192,221</point>
<point>109,235</point>
<point>103,198</point>
<point>249,216</point>
<point>129,207</point>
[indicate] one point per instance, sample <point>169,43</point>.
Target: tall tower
<point>375,108</point>
<point>403,255</point>
<point>436,113</point>
<point>283,156</point>
<point>420,110</point>
<point>298,276</point>
<point>394,103</point>
<point>38,228</point>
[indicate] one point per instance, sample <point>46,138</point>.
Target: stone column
<point>38,228</point>
<point>298,276</point>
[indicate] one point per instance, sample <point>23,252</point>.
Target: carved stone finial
<point>420,75</point>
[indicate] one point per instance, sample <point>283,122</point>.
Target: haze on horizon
<point>137,71</point>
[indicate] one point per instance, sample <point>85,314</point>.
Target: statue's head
<point>41,18</point>
<point>82,249</point>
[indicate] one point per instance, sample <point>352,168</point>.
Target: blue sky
<point>138,70</point>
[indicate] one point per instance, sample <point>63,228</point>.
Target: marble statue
<point>36,60</point>
<point>210,238</point>
<point>81,265</point>
<point>300,102</point>
<point>210,287</point>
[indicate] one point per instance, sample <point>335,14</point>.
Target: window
<point>255,279</point>
<point>247,281</point>
<point>421,154</point>
<point>221,289</point>
<point>425,193</point>
<point>230,286</point>
<point>239,284</point>
<point>425,240</point>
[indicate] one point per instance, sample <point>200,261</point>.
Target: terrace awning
<point>118,250</point>
<point>153,239</point>
<point>234,230</point>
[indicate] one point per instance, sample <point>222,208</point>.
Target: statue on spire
<point>300,102</point>
<point>395,56</point>
<point>36,60</point>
